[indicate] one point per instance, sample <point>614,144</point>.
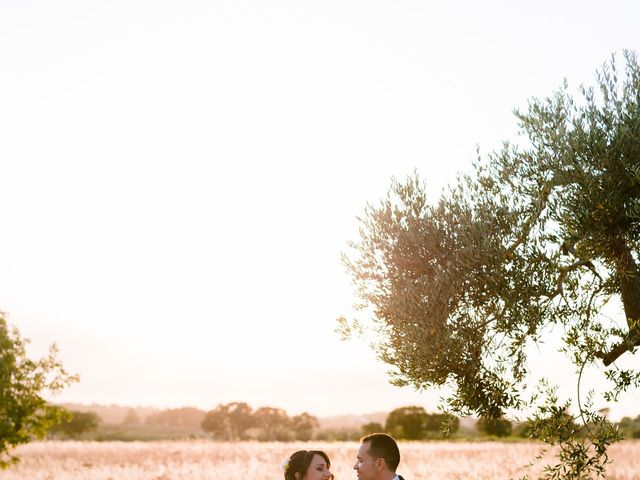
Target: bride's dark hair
<point>299,463</point>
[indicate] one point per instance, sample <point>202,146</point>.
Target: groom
<point>378,457</point>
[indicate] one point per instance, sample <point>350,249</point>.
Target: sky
<point>179,179</point>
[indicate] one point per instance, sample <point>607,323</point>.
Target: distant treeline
<point>239,421</point>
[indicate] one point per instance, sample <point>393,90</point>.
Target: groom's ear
<point>380,463</point>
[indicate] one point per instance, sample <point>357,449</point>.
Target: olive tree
<point>541,234</point>
<point>24,412</point>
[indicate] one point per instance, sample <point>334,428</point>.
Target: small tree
<point>229,421</point>
<point>274,423</point>
<point>24,413</point>
<point>215,422</point>
<point>131,419</point>
<point>77,424</point>
<point>407,422</point>
<point>372,427</point>
<point>187,418</point>
<point>442,423</point>
<point>303,426</point>
<point>240,418</point>
<point>499,427</point>
<point>630,428</point>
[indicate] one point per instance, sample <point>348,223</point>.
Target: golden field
<point>200,460</point>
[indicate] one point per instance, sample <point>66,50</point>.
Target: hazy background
<point>179,178</point>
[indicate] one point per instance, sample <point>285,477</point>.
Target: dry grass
<point>200,460</point>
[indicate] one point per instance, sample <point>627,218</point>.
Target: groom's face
<point>366,466</point>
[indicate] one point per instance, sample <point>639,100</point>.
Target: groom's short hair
<point>383,446</point>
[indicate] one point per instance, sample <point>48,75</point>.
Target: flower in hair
<point>284,466</point>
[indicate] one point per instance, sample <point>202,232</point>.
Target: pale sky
<point>179,178</point>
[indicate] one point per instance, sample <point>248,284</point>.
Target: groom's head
<point>377,458</point>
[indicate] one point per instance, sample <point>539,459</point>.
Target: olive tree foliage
<point>538,235</point>
<point>24,412</point>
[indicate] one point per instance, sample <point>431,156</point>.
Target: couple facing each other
<point>377,459</point>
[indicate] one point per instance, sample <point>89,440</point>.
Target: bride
<point>307,465</point>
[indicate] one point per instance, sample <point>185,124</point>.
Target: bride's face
<point>318,469</point>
